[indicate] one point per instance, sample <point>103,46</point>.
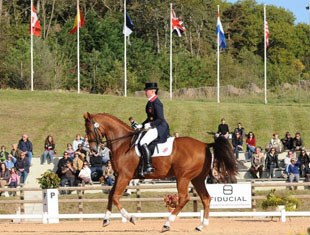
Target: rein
<point>109,142</point>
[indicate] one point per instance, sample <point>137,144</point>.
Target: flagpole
<point>125,53</point>
<point>218,60</point>
<point>78,45</point>
<point>170,51</point>
<point>31,47</point>
<point>265,56</point>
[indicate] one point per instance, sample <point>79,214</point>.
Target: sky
<point>298,7</point>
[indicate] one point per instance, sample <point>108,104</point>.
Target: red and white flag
<point>267,33</point>
<point>177,24</point>
<point>35,28</point>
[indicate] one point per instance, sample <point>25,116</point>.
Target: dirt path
<point>218,226</point>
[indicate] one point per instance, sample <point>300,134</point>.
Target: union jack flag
<point>177,24</point>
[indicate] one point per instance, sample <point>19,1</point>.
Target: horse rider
<point>155,124</point>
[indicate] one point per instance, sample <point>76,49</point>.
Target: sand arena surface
<point>218,226</point>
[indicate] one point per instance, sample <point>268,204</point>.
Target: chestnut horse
<point>190,162</point>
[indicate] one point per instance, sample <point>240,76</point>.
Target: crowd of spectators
<point>78,163</point>
<point>15,164</point>
<point>294,166</point>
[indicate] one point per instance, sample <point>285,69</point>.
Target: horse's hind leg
<point>199,184</point>
<point>182,186</point>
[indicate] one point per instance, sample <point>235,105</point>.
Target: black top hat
<point>151,86</point>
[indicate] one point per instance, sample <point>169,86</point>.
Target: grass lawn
<point>60,114</point>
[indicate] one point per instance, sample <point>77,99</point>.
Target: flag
<point>35,28</point>
<point>129,27</point>
<point>220,32</point>
<point>267,33</point>
<point>177,24</point>
<point>78,22</point>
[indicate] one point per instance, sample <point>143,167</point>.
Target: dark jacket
<point>155,116</point>
<point>25,146</point>
<point>271,159</point>
<point>22,164</point>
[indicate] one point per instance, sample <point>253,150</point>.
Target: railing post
<point>195,203</point>
<point>22,198</point>
<point>139,204</point>
<point>80,197</point>
<point>253,195</point>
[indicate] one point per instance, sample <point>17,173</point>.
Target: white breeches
<point>149,136</point>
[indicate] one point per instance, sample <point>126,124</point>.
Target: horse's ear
<point>86,116</point>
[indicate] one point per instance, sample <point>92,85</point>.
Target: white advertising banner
<point>230,195</point>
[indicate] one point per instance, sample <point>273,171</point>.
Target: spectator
<point>293,171</point>
<point>104,152</point>
<point>62,162</point>
<point>4,176</point>
<point>275,143</point>
<point>85,174</point>
<point>78,162</point>
<point>240,129</point>
<point>67,175</point>
<point>271,162</point>
<point>287,162</point>
<point>78,140</point>
<point>3,154</point>
<point>95,166</point>
<point>22,166</point>
<point>133,123</point>
<point>237,143</point>
<point>304,161</point>
<point>10,162</point>
<point>257,163</point>
<point>287,141</point>
<point>49,150</point>
<point>222,129</point>
<point>15,151</point>
<point>85,147</point>
<point>70,151</point>
<point>81,151</point>
<point>298,143</point>
<point>14,180</point>
<point>109,174</point>
<point>25,145</point>
<point>250,145</point>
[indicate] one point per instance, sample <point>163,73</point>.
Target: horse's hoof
<point>106,222</point>
<point>133,220</point>
<point>165,228</point>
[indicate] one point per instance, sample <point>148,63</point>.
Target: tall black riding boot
<point>148,168</point>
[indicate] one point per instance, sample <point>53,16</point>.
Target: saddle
<point>157,149</point>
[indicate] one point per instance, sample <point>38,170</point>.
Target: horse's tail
<point>224,160</point>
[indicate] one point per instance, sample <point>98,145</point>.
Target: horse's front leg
<point>114,197</point>
<point>182,185</point>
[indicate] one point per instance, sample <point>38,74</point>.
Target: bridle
<point>98,136</point>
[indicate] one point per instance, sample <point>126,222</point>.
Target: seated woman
<point>250,145</point>
<point>85,174</point>
<point>109,174</point>
<point>287,141</point>
<point>49,150</point>
<point>257,163</point>
<point>4,176</point>
<point>271,161</point>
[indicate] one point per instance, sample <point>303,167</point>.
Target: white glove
<point>147,125</point>
<point>139,126</point>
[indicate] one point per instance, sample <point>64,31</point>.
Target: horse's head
<point>94,132</point>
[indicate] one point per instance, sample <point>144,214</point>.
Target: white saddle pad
<point>163,149</point>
